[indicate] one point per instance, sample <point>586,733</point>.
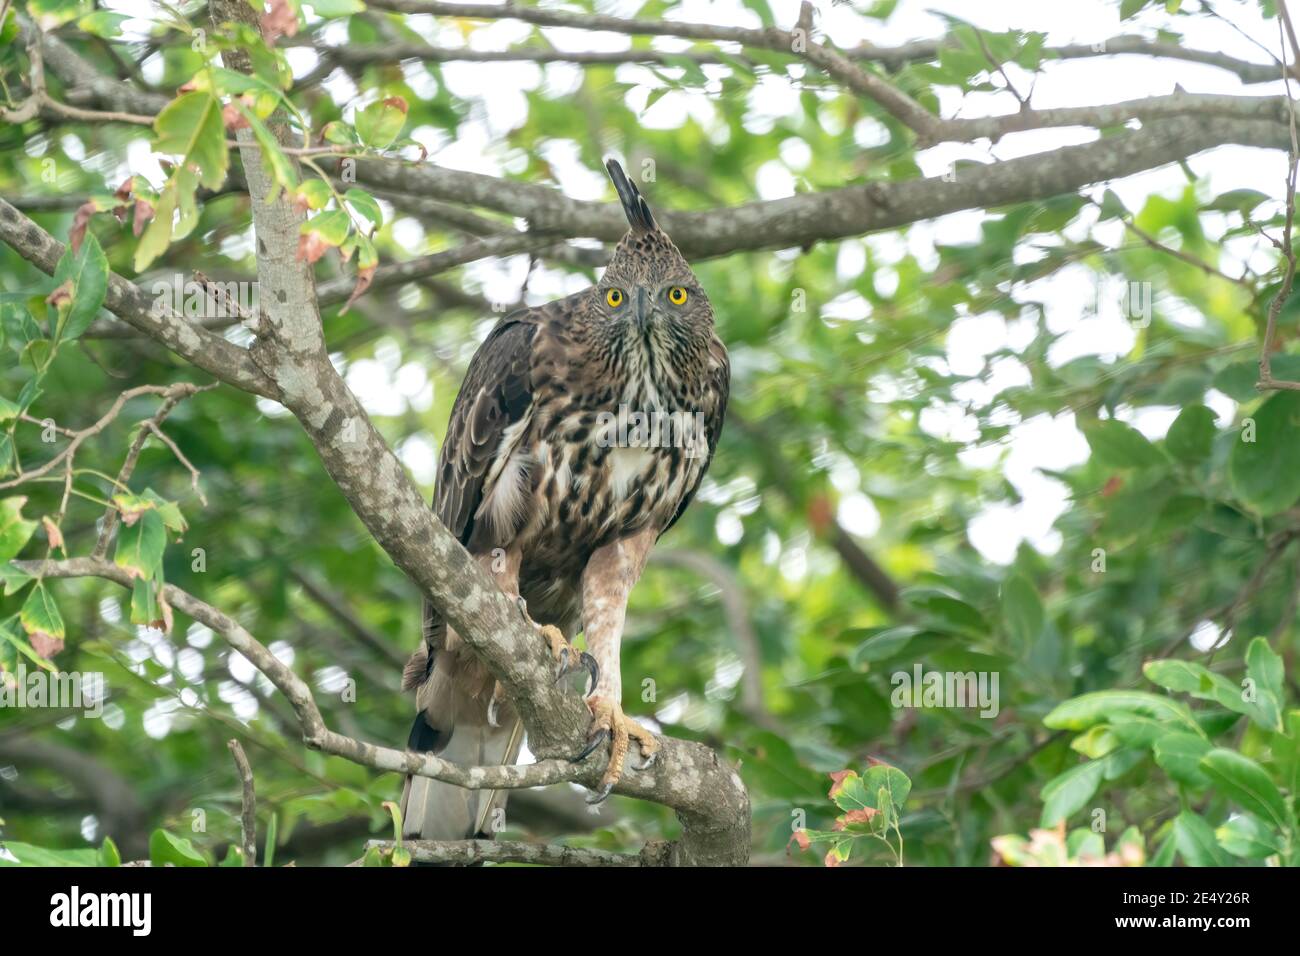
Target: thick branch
<point>515,851</point>
<point>808,218</point>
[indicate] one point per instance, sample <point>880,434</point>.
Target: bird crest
<point>645,252</point>
<point>635,207</point>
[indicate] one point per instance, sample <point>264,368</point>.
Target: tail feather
<point>432,810</point>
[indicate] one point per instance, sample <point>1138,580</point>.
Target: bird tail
<point>432,810</point>
<point>454,725</point>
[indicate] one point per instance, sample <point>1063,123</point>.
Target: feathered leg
<point>607,582</point>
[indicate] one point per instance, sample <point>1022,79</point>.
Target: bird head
<point>648,284</point>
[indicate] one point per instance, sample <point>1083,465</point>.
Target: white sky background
<point>386,385</point>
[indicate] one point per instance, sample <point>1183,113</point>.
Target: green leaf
<point>885,644</point>
<point>1192,434</point>
<point>1069,792</point>
<point>1265,667</point>
<point>27,855</point>
<point>1247,784</point>
<point>87,270</point>
<point>103,23</point>
<point>52,13</point>
<point>1022,611</point>
<point>1265,472</point>
<point>109,854</point>
<point>272,834</point>
<point>15,578</point>
<point>140,545</point>
<point>329,9</point>
<point>1082,712</point>
<point>191,127</point>
<point>158,234</point>
<point>1196,841</point>
<point>381,122</point>
<point>1189,677</point>
<point>314,192</point>
<point>15,530</point>
<point>40,614</point>
<point>884,778</point>
<point>165,848</point>
<point>1179,755</point>
<point>144,604</point>
<point>1095,742</point>
<point>364,204</point>
<point>1247,836</point>
<point>1115,444</point>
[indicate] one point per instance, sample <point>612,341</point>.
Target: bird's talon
<point>593,669</point>
<point>595,740</point>
<point>610,723</point>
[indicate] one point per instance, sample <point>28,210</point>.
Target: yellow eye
<point>677,295</point>
<point>614,297</point>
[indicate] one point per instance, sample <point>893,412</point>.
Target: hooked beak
<point>642,308</point>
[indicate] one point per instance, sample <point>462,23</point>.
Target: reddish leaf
<point>143,213</point>
<point>233,117</point>
<point>838,776</point>
<point>46,645</point>
<point>832,859</point>
<point>364,278</point>
<point>800,837</point>
<point>61,295</point>
<point>279,21</point>
<point>53,533</point>
<point>855,816</point>
<point>311,247</point>
<point>397,102</point>
<point>80,223</point>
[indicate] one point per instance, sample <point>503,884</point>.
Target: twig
<point>182,389</point>
<point>248,804</point>
<point>175,395</point>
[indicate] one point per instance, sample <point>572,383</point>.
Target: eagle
<point>580,434</point>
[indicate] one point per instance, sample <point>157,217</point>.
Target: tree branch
<point>514,851</point>
<point>248,804</point>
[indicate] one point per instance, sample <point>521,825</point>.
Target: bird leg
<point>607,581</point>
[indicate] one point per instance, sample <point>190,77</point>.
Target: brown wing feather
<point>715,414</point>
<point>496,393</point>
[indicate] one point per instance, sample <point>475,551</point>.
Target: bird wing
<point>497,393</point>
<point>715,413</point>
